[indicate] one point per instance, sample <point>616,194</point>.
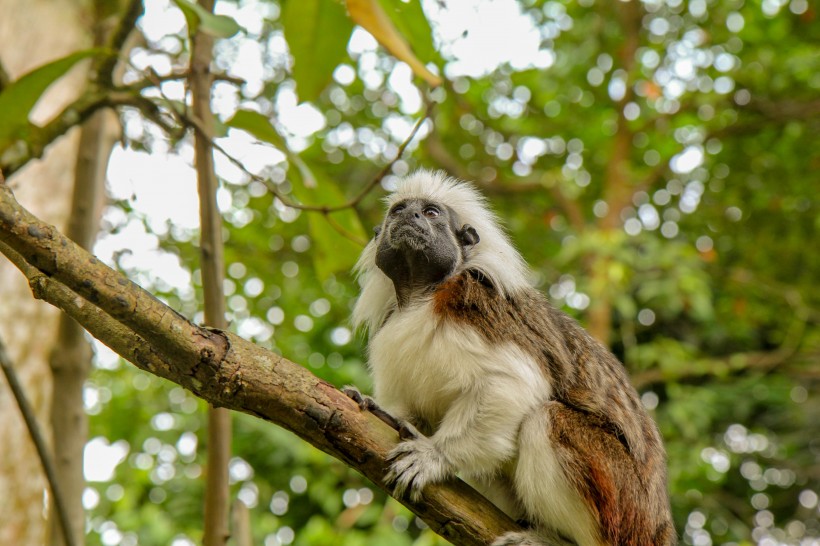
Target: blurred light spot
<point>186,445</point>
<point>237,270</point>
<point>632,226</point>
<point>285,535</point>
<point>279,503</point>
<point>760,501</point>
<point>303,323</point>
<point>91,498</point>
<point>344,74</point>
<point>300,243</point>
<point>249,494</point>
<point>400,524</point>
<point>799,394</point>
<point>735,22</point>
<point>650,400</point>
<point>350,498</point>
<point>290,269</point>
<point>253,287</point>
<point>704,243</point>
<point>688,160</point>
<point>239,470</point>
<point>646,317</point>
<point>298,484</point>
<point>100,459</point>
<point>798,7</point>
<point>734,214</point>
<point>319,307</point>
<point>275,315</point>
<point>808,499</point>
<point>669,229</point>
<point>632,111</point>
<point>340,336</point>
<point>158,495</point>
<point>316,360</point>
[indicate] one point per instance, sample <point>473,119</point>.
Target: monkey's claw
<point>365,402</point>
<point>414,465</point>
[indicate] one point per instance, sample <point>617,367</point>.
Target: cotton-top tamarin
<point>496,385</point>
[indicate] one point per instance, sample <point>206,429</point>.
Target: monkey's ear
<point>376,231</point>
<point>468,236</point>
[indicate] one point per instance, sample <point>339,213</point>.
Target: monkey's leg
<point>406,430</point>
<point>575,477</point>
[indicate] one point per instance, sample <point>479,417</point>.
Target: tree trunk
<point>33,32</point>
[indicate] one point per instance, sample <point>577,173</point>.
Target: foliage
<point>655,162</point>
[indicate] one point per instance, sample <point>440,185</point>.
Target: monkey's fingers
<point>364,401</point>
<point>367,403</point>
<point>405,475</point>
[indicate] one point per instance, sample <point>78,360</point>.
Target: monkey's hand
<point>405,429</point>
<point>415,464</point>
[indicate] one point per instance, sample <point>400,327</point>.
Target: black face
<point>420,244</point>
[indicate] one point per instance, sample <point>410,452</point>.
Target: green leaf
<point>260,126</point>
<point>198,18</point>
<point>333,252</point>
<point>317,32</point>
<point>18,99</point>
<point>410,21</point>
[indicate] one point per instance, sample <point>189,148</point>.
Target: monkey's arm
<point>476,435</point>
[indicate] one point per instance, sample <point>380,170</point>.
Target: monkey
<point>490,382</point>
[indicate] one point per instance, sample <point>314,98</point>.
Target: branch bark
<point>225,369</point>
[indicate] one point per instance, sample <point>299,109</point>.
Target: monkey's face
<point>421,243</point>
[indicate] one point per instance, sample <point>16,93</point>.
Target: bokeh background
<point>655,161</point>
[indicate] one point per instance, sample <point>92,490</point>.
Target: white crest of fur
<point>494,255</point>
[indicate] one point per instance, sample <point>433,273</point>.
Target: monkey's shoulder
<point>470,297</point>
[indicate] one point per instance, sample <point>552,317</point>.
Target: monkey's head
<point>435,227</point>
<point>420,243</point>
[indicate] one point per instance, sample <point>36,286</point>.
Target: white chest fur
<point>421,367</point>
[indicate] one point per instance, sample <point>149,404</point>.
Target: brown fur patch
<point>608,441</point>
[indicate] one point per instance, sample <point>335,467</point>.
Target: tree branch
<point>225,369</point>
<point>72,115</point>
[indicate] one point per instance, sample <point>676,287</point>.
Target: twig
<point>105,74</point>
<point>39,443</point>
<point>5,79</point>
<point>324,209</point>
<point>72,115</point>
<point>212,264</point>
<point>340,229</point>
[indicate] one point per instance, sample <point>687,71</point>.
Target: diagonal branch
<point>72,115</point>
<point>225,369</point>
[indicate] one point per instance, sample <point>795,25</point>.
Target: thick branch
<point>225,369</point>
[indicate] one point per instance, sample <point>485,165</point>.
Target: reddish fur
<point>603,436</point>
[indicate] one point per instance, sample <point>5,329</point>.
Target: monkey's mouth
<point>408,236</point>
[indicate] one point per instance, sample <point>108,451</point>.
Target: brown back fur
<point>599,426</point>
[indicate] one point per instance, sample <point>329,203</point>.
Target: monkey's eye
<point>431,211</point>
<point>397,209</point>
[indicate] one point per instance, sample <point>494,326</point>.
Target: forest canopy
<point>654,161</point>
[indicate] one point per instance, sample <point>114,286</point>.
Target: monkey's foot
<point>369,404</point>
<point>530,538</point>
<point>414,465</point>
